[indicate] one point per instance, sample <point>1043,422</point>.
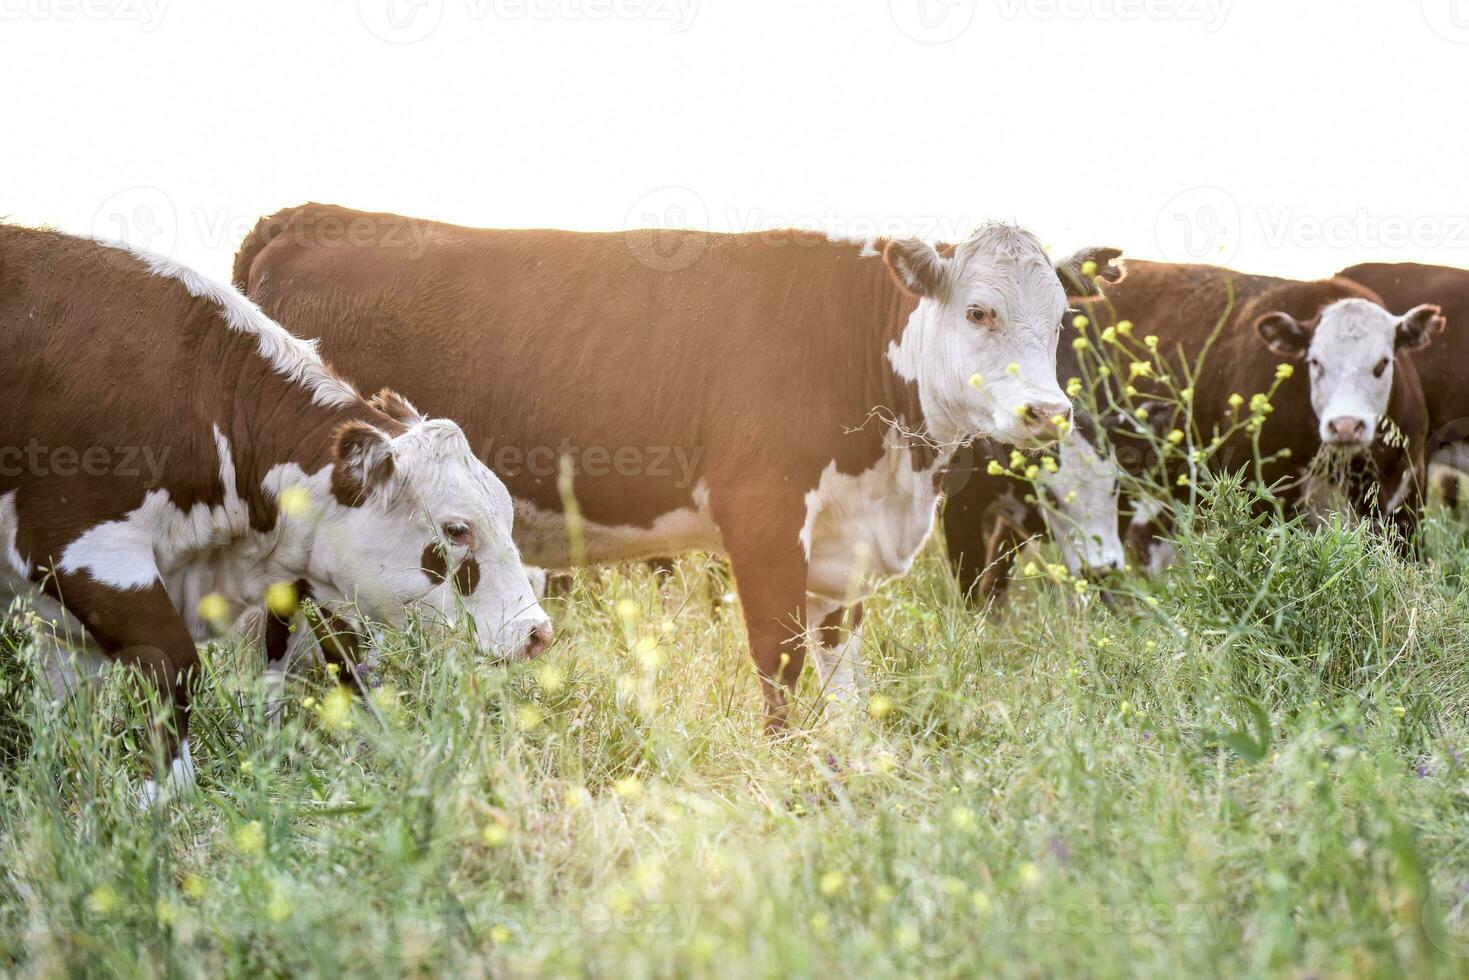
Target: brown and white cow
<point>163,441</point>
<point>781,398</point>
<point>1402,287</point>
<point>1356,375</point>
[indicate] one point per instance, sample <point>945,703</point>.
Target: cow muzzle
<point>535,639</point>
<point>1043,422</point>
<point>1347,430</point>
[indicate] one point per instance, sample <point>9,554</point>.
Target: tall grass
<point>1211,778</point>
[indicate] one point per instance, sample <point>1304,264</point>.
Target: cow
<point>1361,366</point>
<point>1402,286</point>
<point>988,513</point>
<point>782,398</point>
<point>170,458</point>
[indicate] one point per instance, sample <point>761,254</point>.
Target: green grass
<point>1211,779</point>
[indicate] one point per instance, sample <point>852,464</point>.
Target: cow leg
<point>769,566</point>
<point>837,643</point>
<point>141,628</point>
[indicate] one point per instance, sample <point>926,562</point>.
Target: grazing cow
<point>988,515</point>
<point>1356,374</point>
<point>171,456</point>
<point>1402,286</point>
<point>781,398</point>
<point>1354,377</point>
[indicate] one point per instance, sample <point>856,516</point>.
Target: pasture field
<point>1252,765</point>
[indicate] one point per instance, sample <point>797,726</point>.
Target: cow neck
<point>895,397</point>
<point>271,421</point>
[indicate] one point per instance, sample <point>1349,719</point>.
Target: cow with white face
<point>171,457</point>
<point>1350,350</point>
<point>803,395</point>
<point>981,341</point>
<point>1320,436</point>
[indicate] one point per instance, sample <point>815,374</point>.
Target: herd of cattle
<point>793,402</point>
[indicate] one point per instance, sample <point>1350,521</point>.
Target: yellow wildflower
<point>250,839</point>
<point>281,599</point>
<point>215,609</point>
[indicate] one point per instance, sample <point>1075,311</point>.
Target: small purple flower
<point>1059,849</point>
<point>1422,770</point>
<point>1458,757</point>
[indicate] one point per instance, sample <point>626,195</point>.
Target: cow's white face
<point>431,526</point>
<point>1079,502</point>
<point>981,344</point>
<point>1349,350</point>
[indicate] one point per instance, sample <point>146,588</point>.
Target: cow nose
<point>1346,428</point>
<point>536,642</point>
<point>1044,420</point>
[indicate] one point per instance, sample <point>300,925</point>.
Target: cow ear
<point>1072,271</point>
<point>362,461</point>
<point>1418,327</point>
<point>916,267</point>
<point>1284,335</point>
<point>396,407</point>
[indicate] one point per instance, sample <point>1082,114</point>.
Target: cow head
<point>1349,350</point>
<point>981,343</point>
<point>414,518</point>
<point>1079,503</point>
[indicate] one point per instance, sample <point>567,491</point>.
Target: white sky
<point>1288,136</point>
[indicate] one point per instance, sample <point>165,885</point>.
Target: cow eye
<point>459,532</point>
<point>981,317</point>
<point>1381,367</point>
